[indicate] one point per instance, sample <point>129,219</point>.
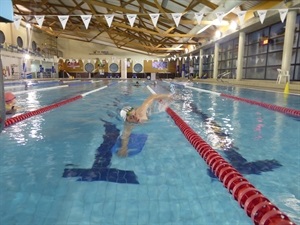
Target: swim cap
<point>9,97</point>
<point>124,111</point>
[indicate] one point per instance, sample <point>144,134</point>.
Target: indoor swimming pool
<point>60,167</point>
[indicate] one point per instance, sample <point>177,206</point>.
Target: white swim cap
<point>124,111</point>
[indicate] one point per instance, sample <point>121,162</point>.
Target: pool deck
<point>293,87</point>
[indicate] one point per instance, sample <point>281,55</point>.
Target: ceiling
<point>163,39</point>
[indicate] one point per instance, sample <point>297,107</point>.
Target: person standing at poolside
<point>136,115</point>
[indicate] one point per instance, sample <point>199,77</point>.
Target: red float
<point>275,217</point>
<point>256,206</point>
<point>246,193</point>
<point>252,201</point>
<point>260,210</point>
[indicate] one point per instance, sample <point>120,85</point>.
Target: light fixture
<point>218,34</point>
<point>233,25</point>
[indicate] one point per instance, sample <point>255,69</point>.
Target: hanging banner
<point>154,18</point>
<point>199,17</point>
<point>176,18</point>
<point>86,20</point>
<point>282,13</point>
<point>17,21</point>
<point>109,19</point>
<point>63,20</point>
<point>220,16</point>
<point>262,15</point>
<point>40,20</point>
<point>241,16</point>
<point>196,56</point>
<point>131,18</point>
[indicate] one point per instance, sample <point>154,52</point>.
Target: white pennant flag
<point>220,16</point>
<point>154,18</point>
<point>86,20</point>
<point>196,56</point>
<point>185,58</point>
<point>131,18</point>
<point>282,13</point>
<point>169,59</point>
<point>241,16</point>
<point>176,18</point>
<point>40,20</point>
<point>109,19</point>
<point>63,20</point>
<point>17,21</point>
<point>262,15</point>
<point>199,17</point>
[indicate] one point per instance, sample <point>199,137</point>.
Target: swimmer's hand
<point>122,152</point>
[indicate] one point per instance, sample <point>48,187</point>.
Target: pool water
<point>58,168</point>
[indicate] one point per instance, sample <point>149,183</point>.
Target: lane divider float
<point>254,203</point>
<point>281,109</point>
<point>21,117</point>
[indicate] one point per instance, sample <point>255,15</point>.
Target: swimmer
<point>10,101</point>
<point>136,115</point>
<point>137,84</point>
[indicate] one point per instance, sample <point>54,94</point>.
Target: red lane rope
<point>26,115</point>
<point>257,206</point>
<point>289,111</point>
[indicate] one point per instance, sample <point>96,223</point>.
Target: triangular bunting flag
<point>176,18</point>
<point>169,59</point>
<point>86,20</point>
<point>131,19</point>
<point>179,57</point>
<point>17,21</point>
<point>262,15</point>
<point>282,13</point>
<point>196,56</point>
<point>241,16</point>
<point>63,20</point>
<point>185,58</point>
<point>199,17</point>
<point>109,19</point>
<point>40,20</point>
<point>220,16</point>
<point>154,18</point>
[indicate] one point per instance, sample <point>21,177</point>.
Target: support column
<point>288,40</point>
<point>200,63</point>
<point>240,58</point>
<point>124,68</point>
<point>216,61</point>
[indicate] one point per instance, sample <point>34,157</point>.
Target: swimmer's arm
<point>124,140</point>
<point>148,102</point>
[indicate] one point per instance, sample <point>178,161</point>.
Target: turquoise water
<point>49,163</point>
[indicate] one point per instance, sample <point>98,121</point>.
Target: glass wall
<point>228,56</point>
<point>208,62</point>
<point>263,53</point>
<point>295,63</point>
